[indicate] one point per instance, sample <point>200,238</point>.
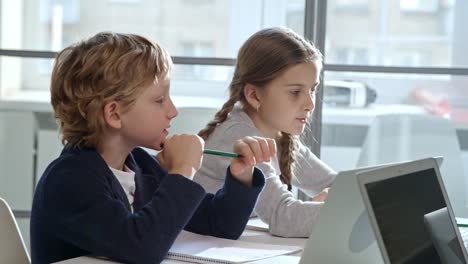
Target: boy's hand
<point>254,150</point>
<point>182,154</point>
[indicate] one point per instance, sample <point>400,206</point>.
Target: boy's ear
<point>111,113</point>
<point>252,95</point>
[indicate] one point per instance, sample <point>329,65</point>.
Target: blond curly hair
<point>106,67</point>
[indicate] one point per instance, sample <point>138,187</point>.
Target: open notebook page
<point>255,223</point>
<point>207,249</point>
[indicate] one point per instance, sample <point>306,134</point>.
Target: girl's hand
<point>321,196</point>
<point>182,154</point>
<point>254,150</point>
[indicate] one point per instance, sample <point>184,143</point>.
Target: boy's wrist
<point>186,171</point>
<point>246,177</point>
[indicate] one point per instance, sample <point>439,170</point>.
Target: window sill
<point>35,101</point>
<point>39,101</point>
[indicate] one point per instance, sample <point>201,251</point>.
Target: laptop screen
<point>404,207</point>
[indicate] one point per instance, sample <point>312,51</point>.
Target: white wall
<point>17,138</point>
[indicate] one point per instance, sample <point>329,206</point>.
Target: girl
<point>272,94</point>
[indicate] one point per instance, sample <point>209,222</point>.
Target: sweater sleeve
<point>285,215</point>
<point>82,210</point>
<point>225,213</point>
<point>311,174</point>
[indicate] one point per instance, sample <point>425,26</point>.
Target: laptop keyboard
<point>464,235</point>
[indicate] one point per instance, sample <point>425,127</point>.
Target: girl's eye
<point>295,92</point>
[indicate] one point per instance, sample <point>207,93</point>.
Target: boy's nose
<point>172,110</point>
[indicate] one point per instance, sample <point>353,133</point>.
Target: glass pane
<point>29,79</point>
<point>24,74</point>
<point>185,27</point>
<point>373,118</point>
<point>426,33</point>
<point>201,80</point>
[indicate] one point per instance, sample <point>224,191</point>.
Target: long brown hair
<point>261,59</point>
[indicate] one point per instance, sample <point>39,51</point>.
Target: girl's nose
<point>309,103</point>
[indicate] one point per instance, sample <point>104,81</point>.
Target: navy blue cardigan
<point>80,208</point>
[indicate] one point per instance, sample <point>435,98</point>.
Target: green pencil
<point>221,153</point>
<point>461,222</point>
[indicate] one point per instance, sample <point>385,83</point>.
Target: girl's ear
<point>252,95</point>
<point>111,114</point>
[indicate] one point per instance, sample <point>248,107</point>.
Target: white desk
<point>248,235</point>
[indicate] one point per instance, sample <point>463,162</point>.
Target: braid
<point>220,116</point>
<point>287,145</point>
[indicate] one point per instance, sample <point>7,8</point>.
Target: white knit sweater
<point>276,206</point>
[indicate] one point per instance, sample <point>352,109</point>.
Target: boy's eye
<point>160,100</point>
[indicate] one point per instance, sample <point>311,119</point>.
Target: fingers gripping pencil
<point>221,153</point>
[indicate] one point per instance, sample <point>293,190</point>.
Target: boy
<point>104,196</point>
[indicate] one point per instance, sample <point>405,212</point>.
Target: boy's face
<point>146,122</point>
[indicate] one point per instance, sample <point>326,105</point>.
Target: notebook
<point>197,248</point>
<point>411,215</point>
<point>255,223</point>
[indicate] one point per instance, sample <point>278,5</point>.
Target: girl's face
<point>287,102</point>
<point>146,122</point>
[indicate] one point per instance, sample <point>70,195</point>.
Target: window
<point>212,29</point>
<point>352,55</point>
<point>350,3</point>
<point>353,6</point>
<point>402,57</point>
<point>419,5</point>
<point>433,40</point>
<point>197,2</point>
<point>124,1</point>
<point>191,49</point>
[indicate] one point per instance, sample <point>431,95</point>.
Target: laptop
<point>410,214</point>
<point>343,233</point>
<point>442,234</point>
